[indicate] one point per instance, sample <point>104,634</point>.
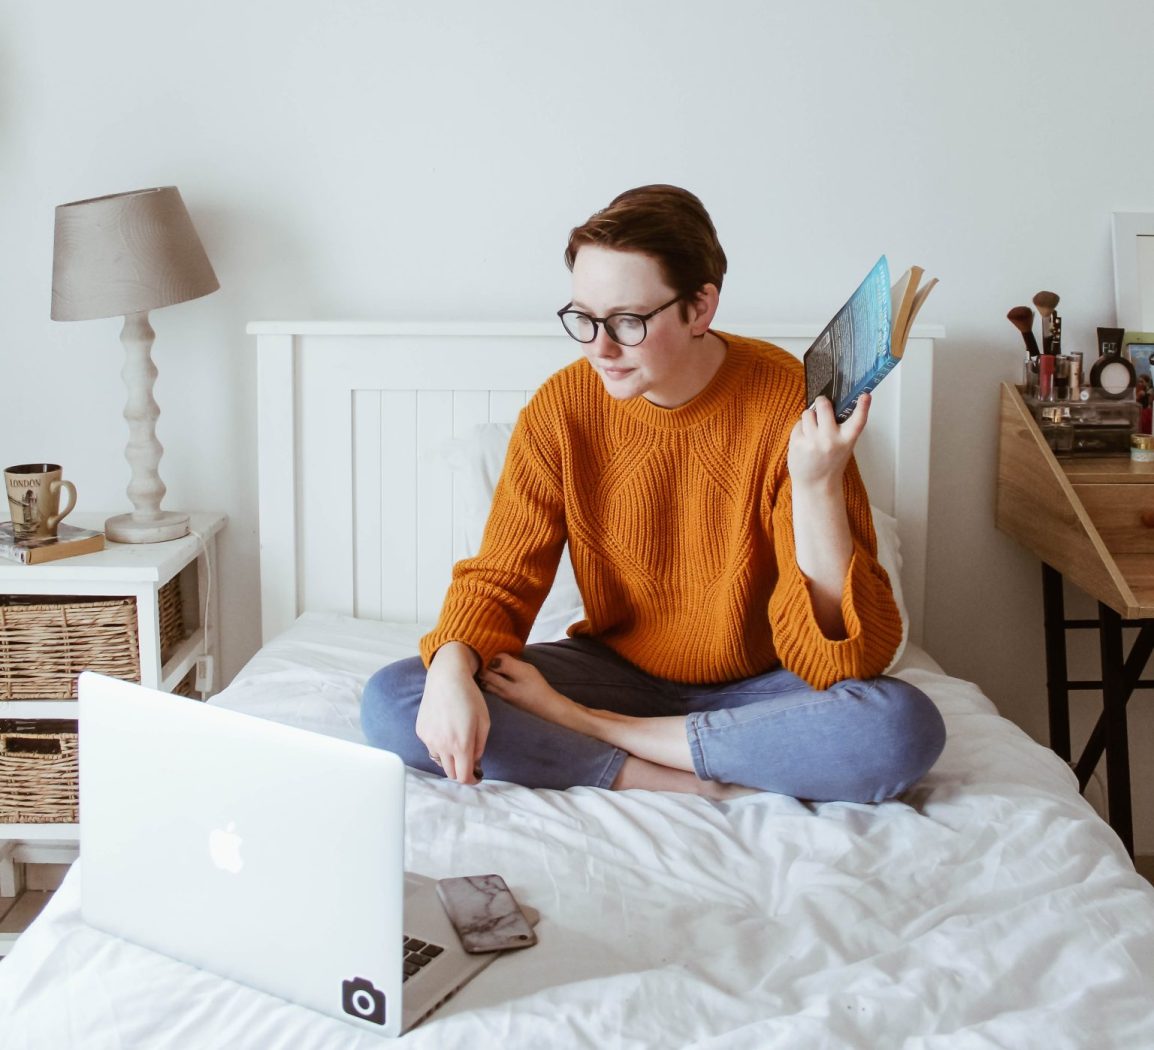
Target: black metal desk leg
<point>1114,697</point>
<point>1057,678</point>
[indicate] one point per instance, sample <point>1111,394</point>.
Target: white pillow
<point>477,458</point>
<point>890,559</point>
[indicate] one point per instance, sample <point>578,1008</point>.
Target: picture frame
<point>1133,239</point>
<point>1139,348</point>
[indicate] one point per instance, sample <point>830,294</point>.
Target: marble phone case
<point>484,913</point>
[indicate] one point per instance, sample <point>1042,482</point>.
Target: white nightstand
<point>138,571</point>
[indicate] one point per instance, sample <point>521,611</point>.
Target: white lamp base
<point>147,523</point>
<point>127,528</point>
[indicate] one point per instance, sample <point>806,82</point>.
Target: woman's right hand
<point>453,719</point>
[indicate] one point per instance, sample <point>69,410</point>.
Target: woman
<point>737,621</point>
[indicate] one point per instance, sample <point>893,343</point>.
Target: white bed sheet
<point>991,907</point>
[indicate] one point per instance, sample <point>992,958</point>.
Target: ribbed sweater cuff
<point>484,639</point>
<point>872,623</point>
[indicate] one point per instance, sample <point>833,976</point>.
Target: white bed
<point>990,907</point>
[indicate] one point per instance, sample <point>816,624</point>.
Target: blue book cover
<point>864,341</point>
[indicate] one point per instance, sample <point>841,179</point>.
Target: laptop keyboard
<point>418,954</point>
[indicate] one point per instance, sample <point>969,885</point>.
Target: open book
<point>865,339</point>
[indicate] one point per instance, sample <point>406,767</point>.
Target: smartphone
<point>485,913</point>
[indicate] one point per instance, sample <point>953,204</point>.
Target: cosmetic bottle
<point>1142,448</point>
<point>1061,377</point>
<point>1112,375</point>
<point>1078,389</point>
<point>1046,377</point>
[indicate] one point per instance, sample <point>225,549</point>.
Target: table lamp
<point>129,253</point>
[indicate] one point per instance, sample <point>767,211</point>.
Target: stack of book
<point>67,543</point>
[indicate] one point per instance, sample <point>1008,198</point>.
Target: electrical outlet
<point>204,669</point>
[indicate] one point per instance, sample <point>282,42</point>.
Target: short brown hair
<point>666,222</point>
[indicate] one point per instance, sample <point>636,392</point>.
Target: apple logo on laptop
<point>224,848</point>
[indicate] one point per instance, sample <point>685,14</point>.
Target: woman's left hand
<point>820,447</point>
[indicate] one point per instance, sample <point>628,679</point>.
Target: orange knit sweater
<point>680,528</point>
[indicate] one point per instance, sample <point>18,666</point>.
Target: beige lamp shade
<point>125,254</point>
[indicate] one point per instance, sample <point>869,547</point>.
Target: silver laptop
<point>264,853</point>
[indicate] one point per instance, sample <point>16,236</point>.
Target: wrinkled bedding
<point>990,907</point>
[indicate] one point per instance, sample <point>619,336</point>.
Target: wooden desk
<point>1091,521</point>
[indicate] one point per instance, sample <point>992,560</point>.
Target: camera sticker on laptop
<point>361,998</point>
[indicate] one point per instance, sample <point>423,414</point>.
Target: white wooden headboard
<point>356,510</point>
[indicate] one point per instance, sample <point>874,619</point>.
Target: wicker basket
<point>38,772</point>
<point>172,631</point>
<point>46,642</point>
<point>187,685</point>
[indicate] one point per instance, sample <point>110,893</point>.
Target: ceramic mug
<point>34,499</point>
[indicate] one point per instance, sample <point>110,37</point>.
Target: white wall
<point>364,158</point>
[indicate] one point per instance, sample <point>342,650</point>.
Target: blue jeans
<point>859,741</point>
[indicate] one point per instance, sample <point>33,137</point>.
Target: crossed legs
<point>573,712</point>
<point>658,755</point>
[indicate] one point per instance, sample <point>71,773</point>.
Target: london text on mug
<point>34,499</point>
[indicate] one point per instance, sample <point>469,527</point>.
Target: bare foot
<point>522,685</point>
<point>722,792</point>
<point>638,773</point>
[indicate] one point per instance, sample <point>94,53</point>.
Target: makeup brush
<point>1022,318</point>
<point>1046,303</point>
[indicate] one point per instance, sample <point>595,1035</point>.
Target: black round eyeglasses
<point>623,328</point>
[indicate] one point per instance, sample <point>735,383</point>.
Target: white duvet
<point>990,908</point>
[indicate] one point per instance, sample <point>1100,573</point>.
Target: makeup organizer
<point>1094,427</point>
<point>1078,413</point>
